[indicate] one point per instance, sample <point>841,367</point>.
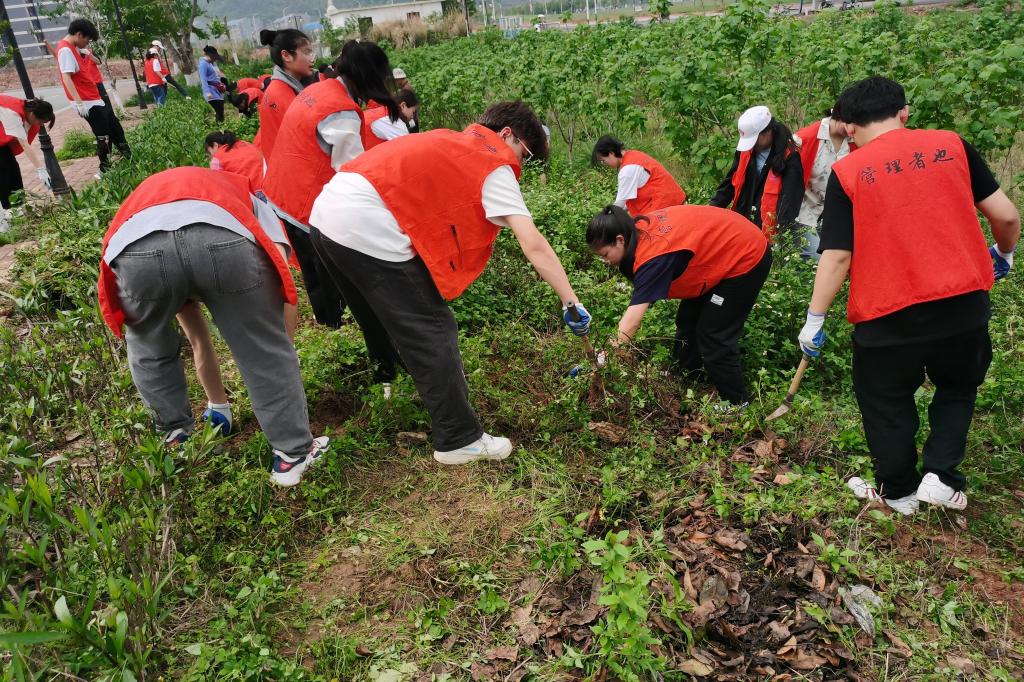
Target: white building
<point>379,14</point>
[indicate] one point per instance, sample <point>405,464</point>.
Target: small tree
<point>660,9</point>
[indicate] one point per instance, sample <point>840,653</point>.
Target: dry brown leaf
<point>782,479</point>
<point>800,546</point>
<point>694,667</point>
<point>481,671</point>
<point>503,653</point>
<point>763,449</point>
<point>363,651</point>
<point>608,432</point>
<point>688,587</point>
<point>787,648</point>
<point>730,539</point>
<point>806,661</point>
<point>698,538</point>
<point>964,665</point>
<point>411,437</point>
<point>818,579</point>
<point>778,632</point>
<point>699,616</point>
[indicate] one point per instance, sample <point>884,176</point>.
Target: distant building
<point>378,14</point>
<point>34,21</point>
<point>245,30</point>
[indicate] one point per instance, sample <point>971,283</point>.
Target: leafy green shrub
<point>78,144</point>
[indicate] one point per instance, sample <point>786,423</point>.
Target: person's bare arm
<point>537,250</point>
<point>31,154</point>
<point>1004,218</point>
<point>630,323</point>
<point>833,268</point>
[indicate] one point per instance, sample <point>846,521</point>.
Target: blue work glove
<point>812,337</point>
<point>1001,262</point>
<point>578,319</point>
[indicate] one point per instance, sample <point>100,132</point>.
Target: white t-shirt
<point>386,129</point>
<point>350,212</point>
<point>178,214</point>
<point>631,178</point>
<point>12,124</point>
<point>69,64</point>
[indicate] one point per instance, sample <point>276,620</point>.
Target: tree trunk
<point>180,47</point>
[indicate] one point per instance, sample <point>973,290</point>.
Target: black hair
<point>223,137</point>
<point>240,101</point>
<point>285,40</point>
<point>835,112</point>
<point>408,97</point>
<point>364,68</point>
<point>613,221</point>
<point>42,110</point>
<point>525,125</point>
<point>782,141</point>
<point>605,146</point>
<point>85,27</point>
<point>150,55</point>
<point>325,68</point>
<point>211,52</point>
<point>871,100</point>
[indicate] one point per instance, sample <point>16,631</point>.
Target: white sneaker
<point>486,447</point>
<point>5,220</point>
<point>865,491</point>
<point>933,491</point>
<point>287,471</point>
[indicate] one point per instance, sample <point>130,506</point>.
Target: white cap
<point>153,50</point>
<point>157,43</point>
<point>397,73</point>
<point>752,122</point>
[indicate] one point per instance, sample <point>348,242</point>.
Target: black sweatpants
<point>708,330</point>
<point>10,175</point>
<point>402,300</point>
<point>108,130</point>
<point>885,380</point>
<point>218,109</point>
<point>325,298</point>
<point>177,86</point>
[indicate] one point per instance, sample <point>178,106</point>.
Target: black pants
<point>176,85</point>
<point>108,130</point>
<point>885,379</point>
<point>708,330</point>
<point>402,301</point>
<point>218,109</point>
<point>325,298</point>
<point>10,175</point>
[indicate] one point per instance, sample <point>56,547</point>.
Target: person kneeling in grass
<point>900,220</point>
<point>712,259</point>
<point>410,223</point>
<point>198,234</point>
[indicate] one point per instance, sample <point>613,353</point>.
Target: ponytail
<point>285,40</point>
<point>224,138</point>
<point>364,68</point>
<point>612,222</point>
<point>42,110</point>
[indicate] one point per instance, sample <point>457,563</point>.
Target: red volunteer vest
<point>255,95</point>
<point>84,83</point>
<point>244,159</point>
<point>92,70</point>
<point>246,83</point>
<point>276,99</point>
<point>769,197</point>
<point>433,184</point>
<point>227,190</point>
<point>152,77</point>
<point>916,235</point>
<point>723,243</point>
<point>809,144</point>
<point>17,106</point>
<point>374,112</point>
<point>298,168</point>
<point>661,190</point>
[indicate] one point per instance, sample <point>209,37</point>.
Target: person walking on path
<point>210,80</point>
<point>292,54</point>
<point>194,234</point>
<point>412,223</point>
<point>918,296</point>
<point>168,74</point>
<point>821,144</point>
<point>19,124</point>
<point>154,74</point>
<point>644,184</point>
<point>79,76</point>
<point>714,261</point>
<point>765,182</point>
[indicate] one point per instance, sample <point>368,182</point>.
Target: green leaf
<point>10,640</point>
<point>63,613</point>
<point>194,649</point>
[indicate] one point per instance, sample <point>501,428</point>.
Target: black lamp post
<point>58,185</point>
<point>128,53</point>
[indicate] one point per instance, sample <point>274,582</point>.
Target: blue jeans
<point>159,94</point>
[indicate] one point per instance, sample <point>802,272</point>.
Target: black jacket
<point>749,204</point>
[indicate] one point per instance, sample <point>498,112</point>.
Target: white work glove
<point>81,109</point>
<point>812,337</point>
<point>44,176</point>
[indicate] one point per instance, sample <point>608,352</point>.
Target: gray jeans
<point>239,284</point>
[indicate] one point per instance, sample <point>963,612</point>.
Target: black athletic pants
<point>885,380</point>
<point>400,302</point>
<point>176,85</point>
<point>10,175</point>
<point>218,109</point>
<point>107,129</point>
<point>327,302</point>
<point>708,330</point>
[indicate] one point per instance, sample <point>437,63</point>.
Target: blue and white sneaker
<point>218,420</point>
<point>485,447</point>
<point>287,470</point>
